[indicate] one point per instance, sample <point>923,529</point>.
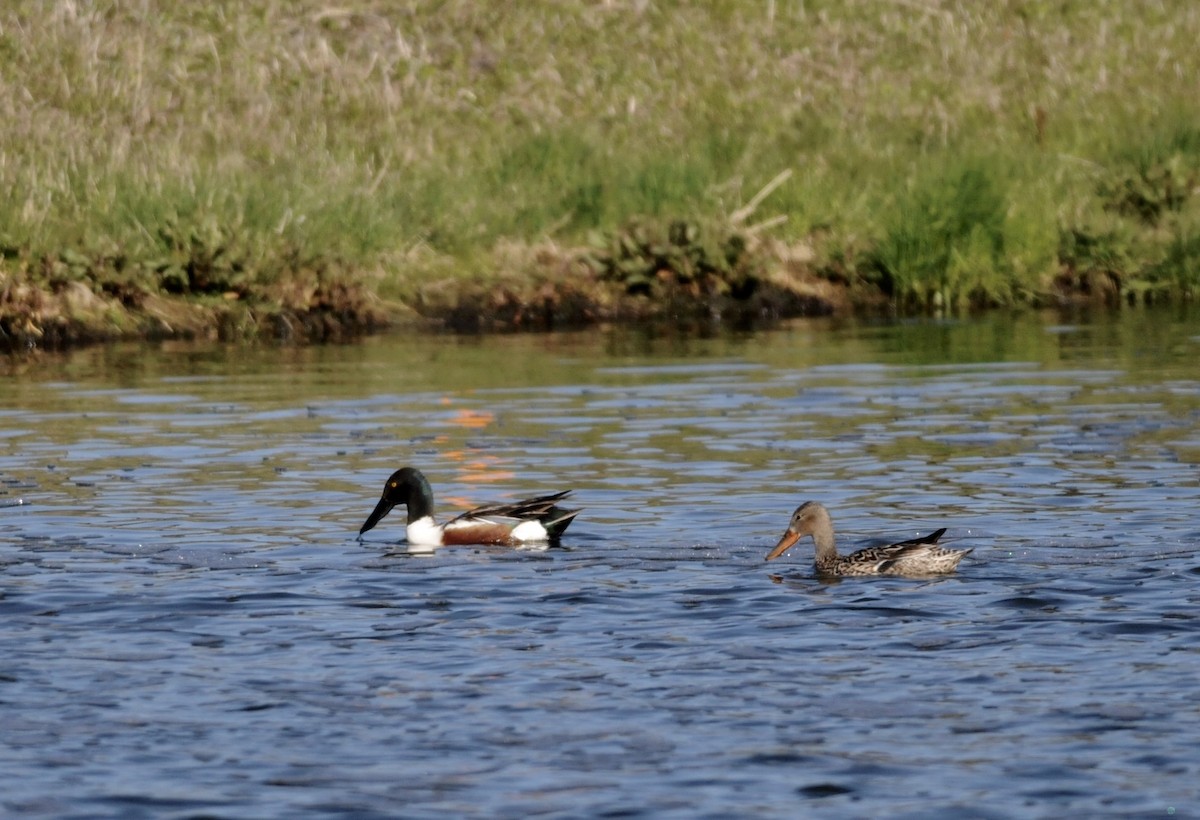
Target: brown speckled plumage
<point>919,556</point>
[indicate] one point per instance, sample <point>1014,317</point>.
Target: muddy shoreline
<point>305,310</point>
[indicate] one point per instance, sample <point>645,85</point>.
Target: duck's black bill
<point>381,509</point>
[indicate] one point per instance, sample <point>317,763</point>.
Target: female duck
<point>534,519</point>
<point>920,556</point>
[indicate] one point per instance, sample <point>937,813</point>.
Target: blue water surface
<point>190,628</point>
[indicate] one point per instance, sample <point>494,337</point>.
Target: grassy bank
<point>244,156</point>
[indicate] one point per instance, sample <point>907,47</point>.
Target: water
<point>189,627</point>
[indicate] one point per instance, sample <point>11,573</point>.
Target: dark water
<point>189,628</point>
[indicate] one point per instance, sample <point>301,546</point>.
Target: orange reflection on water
<point>481,469</point>
<point>473,419</point>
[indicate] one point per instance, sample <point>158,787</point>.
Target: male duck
<point>920,556</point>
<point>534,519</point>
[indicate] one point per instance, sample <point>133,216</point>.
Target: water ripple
<point>190,627</point>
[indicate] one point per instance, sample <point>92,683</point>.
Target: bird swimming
<point>918,556</point>
<point>519,522</point>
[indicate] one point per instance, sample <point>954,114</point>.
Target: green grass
<point>954,151</point>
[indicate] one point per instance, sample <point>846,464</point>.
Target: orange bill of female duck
<point>520,522</point>
<point>919,556</point>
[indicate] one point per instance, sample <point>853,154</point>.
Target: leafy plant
<point>650,258</point>
<point>1150,191</point>
<point>203,257</point>
<point>1179,270</point>
<point>1095,262</point>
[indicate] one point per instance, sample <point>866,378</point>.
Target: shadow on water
<point>190,626</point>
